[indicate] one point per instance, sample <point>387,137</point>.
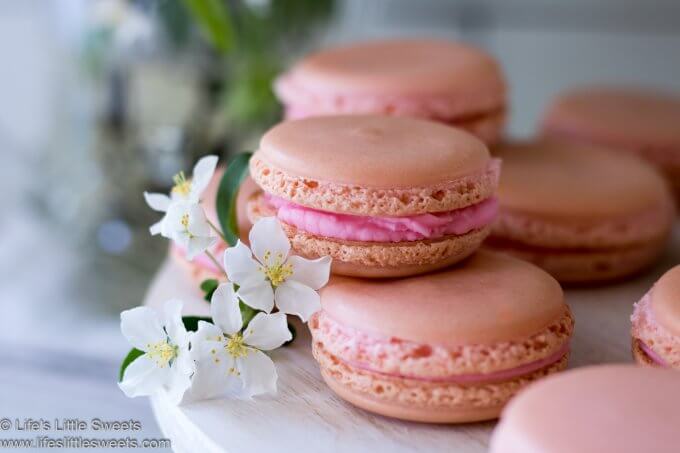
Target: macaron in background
<point>450,82</point>
<point>636,120</point>
<point>582,213</point>
<point>382,196</point>
<point>445,347</point>
<point>597,409</point>
<point>201,267</point>
<point>656,323</point>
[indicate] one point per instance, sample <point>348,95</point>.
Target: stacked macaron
<point>450,346</point>
<point>444,81</point>
<point>640,121</point>
<point>584,214</point>
<point>383,166</point>
<point>656,323</point>
<point>383,196</point>
<point>355,176</point>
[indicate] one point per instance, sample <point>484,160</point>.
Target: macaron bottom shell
<point>423,401</point>
<point>584,266</point>
<point>375,259</point>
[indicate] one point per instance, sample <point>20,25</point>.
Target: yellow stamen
<point>185,223</point>
<point>182,184</point>
<point>276,271</point>
<point>236,347</point>
<point>162,353</point>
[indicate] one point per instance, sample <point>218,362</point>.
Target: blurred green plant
<point>249,41</point>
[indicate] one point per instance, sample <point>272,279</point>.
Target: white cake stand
<point>306,416</point>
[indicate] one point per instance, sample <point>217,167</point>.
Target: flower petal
<point>177,383</point>
<point>141,327</point>
<point>156,228</point>
<point>267,332</point>
<point>297,299</point>
<point>258,373</point>
<point>212,378</point>
<point>198,245</point>
<point>312,273</point>
<point>157,201</point>
<point>202,174</point>
<point>206,332</point>
<point>259,297</point>
<point>225,310</point>
<point>241,268</point>
<point>198,221</point>
<point>172,321</point>
<point>268,236</point>
<point>142,378</point>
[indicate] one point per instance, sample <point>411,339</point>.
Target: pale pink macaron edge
<point>583,409</point>
<point>655,323</point>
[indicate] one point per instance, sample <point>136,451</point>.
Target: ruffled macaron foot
<point>655,322</point>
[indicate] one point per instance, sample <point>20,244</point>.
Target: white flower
<point>187,225</point>
<point>230,361</point>
<point>290,282</point>
<point>185,190</point>
<point>166,364</point>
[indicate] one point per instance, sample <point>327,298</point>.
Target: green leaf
<point>236,172</point>
<point>214,20</point>
<point>129,358</point>
<point>247,313</point>
<point>191,322</point>
<point>208,287</point>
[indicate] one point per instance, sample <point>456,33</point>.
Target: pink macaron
<point>445,347</point>
<point>584,214</point>
<point>656,323</point>
<point>597,409</point>
<point>641,121</point>
<point>444,81</point>
<point>383,196</point>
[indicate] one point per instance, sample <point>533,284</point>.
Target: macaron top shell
<point>399,67</point>
<point>489,298</point>
<point>634,118</point>
<point>576,181</point>
<point>373,151</point>
<point>666,300</point>
<point>608,408</point>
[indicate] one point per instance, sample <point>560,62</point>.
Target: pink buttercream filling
<point>385,229</point>
<point>656,358</point>
<point>473,378</point>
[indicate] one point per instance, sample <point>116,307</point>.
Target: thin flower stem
<point>217,230</point>
<point>216,263</point>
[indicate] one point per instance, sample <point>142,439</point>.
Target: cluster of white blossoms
<point>225,358</point>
